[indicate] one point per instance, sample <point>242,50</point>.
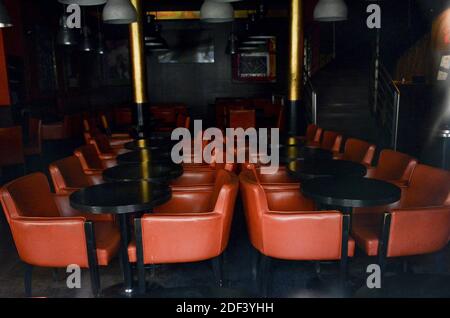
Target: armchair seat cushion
<point>107,239</point>
<point>366,235</point>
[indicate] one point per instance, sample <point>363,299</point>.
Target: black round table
<point>151,143</point>
<point>145,156</point>
<point>157,172</point>
<point>350,192</point>
<point>290,153</point>
<point>310,169</point>
<point>122,199</point>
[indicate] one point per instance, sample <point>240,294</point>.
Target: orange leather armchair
<point>407,232</point>
<point>68,176</point>
<point>105,149</point>
<point>358,151</point>
<point>331,141</point>
<point>429,187</point>
<point>46,235</point>
<point>90,160</point>
<point>280,228</point>
<point>193,226</point>
<point>313,134</point>
<point>393,166</point>
<point>242,119</point>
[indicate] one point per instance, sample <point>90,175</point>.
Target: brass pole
<point>295,65</point>
<point>138,66</point>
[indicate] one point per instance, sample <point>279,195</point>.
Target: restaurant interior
<point>97,97</point>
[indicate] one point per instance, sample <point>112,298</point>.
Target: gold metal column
<point>138,66</point>
<point>296,53</point>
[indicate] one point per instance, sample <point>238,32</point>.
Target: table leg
<point>348,211</point>
<point>124,260</point>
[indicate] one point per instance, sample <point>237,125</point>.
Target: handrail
<point>310,99</point>
<point>386,99</point>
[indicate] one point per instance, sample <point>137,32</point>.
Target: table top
<point>351,192</point>
<point>309,169</point>
<point>150,143</point>
<point>289,153</point>
<point>145,156</point>
<point>120,197</point>
<point>156,172</point>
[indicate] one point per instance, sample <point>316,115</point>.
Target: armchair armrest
<point>50,242</point>
<point>418,231</point>
<point>371,172</point>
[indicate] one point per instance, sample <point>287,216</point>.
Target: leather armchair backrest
<point>242,119</point>
<point>101,142</point>
<point>255,205</point>
<point>429,186</point>
<point>331,141</point>
<point>226,201</point>
<point>359,151</point>
<point>393,165</point>
<point>312,134</point>
<point>222,177</point>
<point>88,157</point>
<point>418,231</point>
<point>68,174</point>
<point>29,196</point>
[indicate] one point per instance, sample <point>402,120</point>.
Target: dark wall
<point>198,85</point>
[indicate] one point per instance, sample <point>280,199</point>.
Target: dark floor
<point>289,279</point>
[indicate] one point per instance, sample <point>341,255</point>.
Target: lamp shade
<point>119,12</point>
<point>216,12</point>
<point>5,20</point>
<point>84,2</point>
<point>330,11</point>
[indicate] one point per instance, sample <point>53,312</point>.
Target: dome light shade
<point>216,12</point>
<point>119,12</point>
<point>331,11</point>
<point>5,20</point>
<point>84,2</point>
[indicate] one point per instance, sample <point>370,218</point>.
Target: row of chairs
<point>202,206</point>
